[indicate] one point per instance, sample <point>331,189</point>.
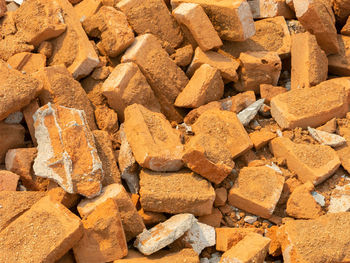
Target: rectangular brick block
<point>193,18</point>
<point>313,163</point>
<point>127,85</point>
<point>47,225</point>
<point>309,107</point>
<point>152,16</point>
<point>180,192</point>
<point>66,150</point>
<point>155,144</point>
<point>132,221</point>
<point>165,77</point>
<point>309,61</point>
<point>233,20</point>
<point>257,190</point>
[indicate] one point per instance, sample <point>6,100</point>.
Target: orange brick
<point>232,20</point>
<point>264,9</point>
<point>46,224</point>
<point>309,61</point>
<point>275,246</point>
<point>313,163</point>
<point>214,219</point>
<point>164,76</point>
<point>132,221</point>
<point>268,91</point>
<point>160,192</point>
<point>11,136</point>
<point>183,56</point>
<point>220,197</point>
<point>228,237</point>
<point>257,190</point>
<point>87,8</point>
<point>104,238</point>
<point>258,68</point>
<point>261,138</point>
<point>8,181</point>
<point>206,85</point>
<point>151,218</point>
<point>57,194</point>
<point>127,85</point>
<point>155,144</point>
<point>309,107</point>
<point>153,17</point>
<point>27,62</point>
<point>339,64</point>
<point>28,112</point>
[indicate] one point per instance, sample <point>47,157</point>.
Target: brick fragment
<point>13,204</point>
<point>258,68</point>
<point>104,238</point>
<point>252,248</point>
<point>232,20</point>
<point>300,237</point>
<point>60,88</point>
<point>46,21</point>
<point>28,112</point>
<point>46,224</point>
<point>125,86</point>
<point>164,76</point>
<point>132,221</point>
<point>73,48</point>
<point>214,219</point>
<point>341,10</point>
<point>257,190</point>
<point>323,104</point>
<point>27,62</point>
<point>220,197</point>
<point>3,8</point>
<point>174,193</point>
<point>261,138</point>
<point>144,19</point>
<point>57,194</point>
<point>272,34</point>
<point>155,144</point>
<point>330,126</point>
<point>206,85</point>
<point>45,48</point>
<point>151,218</point>
<point>8,181</point>
<point>301,203</point>
<point>163,234</point>
<point>316,18</point>
<point>106,119</point>
<point>275,246</point>
<point>268,91</point>
<point>219,137</point>
<point>346,28</point>
<point>272,8</point>
<point>313,163</point>
<point>227,65</point>
<point>87,8</point>
<point>309,61</point>
<point>227,237</point>
<point>193,18</point>
<point>105,152</point>
<point>183,56</point>
<point>112,28</point>
<point>11,136</point>
<point>66,150</point>
<point>16,90</point>
<point>339,64</point>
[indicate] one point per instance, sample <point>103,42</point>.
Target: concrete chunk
<point>66,150</point>
<point>180,192</point>
<point>326,138</point>
<point>200,236</point>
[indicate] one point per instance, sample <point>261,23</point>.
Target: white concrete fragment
<point>301,6</point>
<point>163,234</point>
<point>246,115</point>
<point>319,198</point>
<point>250,219</point>
<point>127,163</point>
<point>340,199</point>
<point>14,118</point>
<point>200,236</point>
<point>326,138</point>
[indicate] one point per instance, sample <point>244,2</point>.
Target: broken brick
<point>257,190</point>
<point>151,218</point>
<point>339,64</point>
<point>57,194</point>
<point>28,112</point>
<point>125,86</point>
<point>180,192</point>
<point>8,181</point>
<point>132,221</point>
<point>66,150</point>
<point>252,248</point>
<point>153,17</point>
<point>314,163</point>
<point>227,65</point>
<point>87,8</point>
<point>258,68</point>
<point>194,19</point>
<point>214,219</point>
<point>301,204</point>
<point>183,56</point>
<point>16,90</point>
<point>275,246</point>
<point>341,9</point>
<point>45,48</point>
<point>268,91</point>
<point>155,144</point>
<point>220,197</point>
<point>232,20</point>
<point>309,61</point>
<point>264,9</point>
<point>323,104</point>
<point>103,239</point>
<point>112,28</point>
<point>261,138</point>
<point>11,136</point>
<point>106,119</point>
<point>27,62</point>
<point>164,76</point>
<point>46,224</point>
<point>206,85</point>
